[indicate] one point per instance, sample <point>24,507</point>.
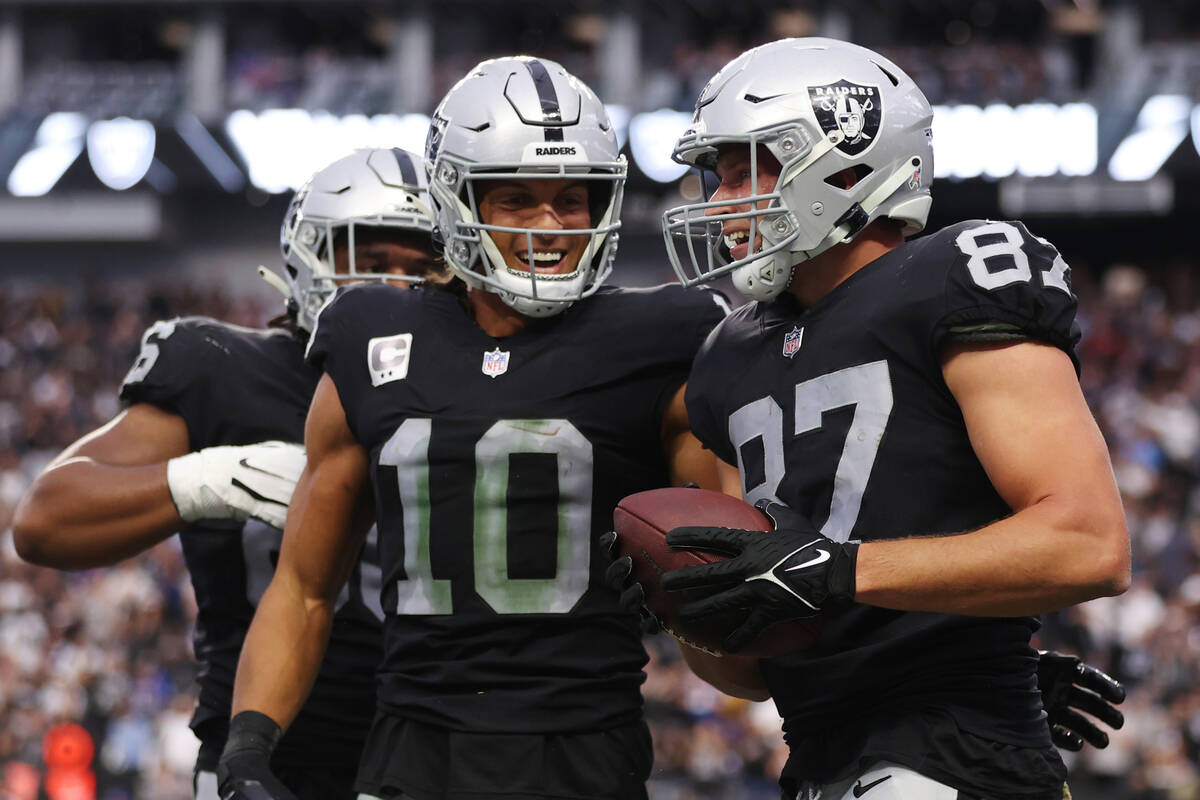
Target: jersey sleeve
<point>339,343</point>
<point>328,330</point>
<point>692,317</point>
<point>1003,284</point>
<point>704,391</point>
<point>173,371</point>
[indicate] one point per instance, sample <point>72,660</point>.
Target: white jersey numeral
<point>149,353</point>
<point>421,593</point>
<point>1008,250</point>
<point>868,388</point>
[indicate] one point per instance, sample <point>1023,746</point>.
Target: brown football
<point>642,521</point>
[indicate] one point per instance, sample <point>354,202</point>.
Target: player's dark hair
<point>287,321</point>
<point>441,279</point>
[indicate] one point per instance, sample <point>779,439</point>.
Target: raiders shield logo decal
<point>849,113</point>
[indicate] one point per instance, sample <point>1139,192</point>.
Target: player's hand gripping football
<point>254,480</point>
<point>244,771</point>
<point>789,573</point>
<point>619,576</point>
<point>1069,686</point>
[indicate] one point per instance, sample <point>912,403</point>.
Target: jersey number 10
<point>421,592</point>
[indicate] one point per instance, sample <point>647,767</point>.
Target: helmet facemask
<point>471,250</point>
<point>770,257</point>
<point>523,119</point>
<point>378,191</point>
<point>820,107</point>
<point>310,257</point>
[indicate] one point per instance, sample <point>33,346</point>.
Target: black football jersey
<point>841,412</point>
<point>496,464</point>
<point>235,386</point>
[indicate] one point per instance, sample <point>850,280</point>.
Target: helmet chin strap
<point>275,281</point>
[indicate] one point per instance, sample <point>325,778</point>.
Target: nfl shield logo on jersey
<point>495,363</point>
<point>791,341</point>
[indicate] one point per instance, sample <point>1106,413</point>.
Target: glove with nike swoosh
<point>236,482</point>
<point>1070,686</point>
<point>789,573</point>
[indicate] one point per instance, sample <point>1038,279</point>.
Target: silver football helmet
<point>378,188</point>
<point>523,118</point>
<point>819,106</point>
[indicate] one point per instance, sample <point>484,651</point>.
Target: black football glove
<point>244,772</point>
<point>619,576</point>
<point>789,573</point>
<point>1069,686</point>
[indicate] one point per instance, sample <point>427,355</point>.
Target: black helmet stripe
<point>549,97</point>
<point>408,171</point>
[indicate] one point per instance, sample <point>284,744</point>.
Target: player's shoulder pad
<point>742,324</point>
<point>664,305</point>
<point>987,255</point>
<point>995,272</point>
<point>737,336</point>
<point>361,310</point>
<point>174,353</point>
<point>358,298</point>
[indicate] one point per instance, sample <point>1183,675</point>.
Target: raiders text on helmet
<point>381,188</point>
<point>523,118</point>
<point>819,106</point>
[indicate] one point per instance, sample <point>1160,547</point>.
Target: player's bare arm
<point>1066,541</point>
<point>687,459</point>
<point>327,519</point>
<point>105,497</point>
<point>132,483</point>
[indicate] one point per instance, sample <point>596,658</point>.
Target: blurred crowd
<point>1007,72</point>
<point>96,676</point>
<point>96,670</point>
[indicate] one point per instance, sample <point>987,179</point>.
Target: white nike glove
<point>254,480</point>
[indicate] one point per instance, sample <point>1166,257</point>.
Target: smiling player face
<point>547,205</point>
<point>738,182</point>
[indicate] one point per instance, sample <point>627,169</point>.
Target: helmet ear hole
<point>847,178</point>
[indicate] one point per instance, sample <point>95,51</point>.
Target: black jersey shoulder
<point>219,377</point>
<point>362,310</point>
<point>982,276</point>
<point>667,319</point>
<point>358,312</point>
<point>729,350</point>
<point>371,334</point>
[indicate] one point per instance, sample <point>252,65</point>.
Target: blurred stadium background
<point>147,153</point>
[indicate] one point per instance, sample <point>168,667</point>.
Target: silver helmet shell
<point>377,188</point>
<point>819,106</point>
<point>523,118</point>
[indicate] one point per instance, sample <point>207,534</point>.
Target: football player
<point>490,428</point>
<point>908,413</point>
<point>187,454</point>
